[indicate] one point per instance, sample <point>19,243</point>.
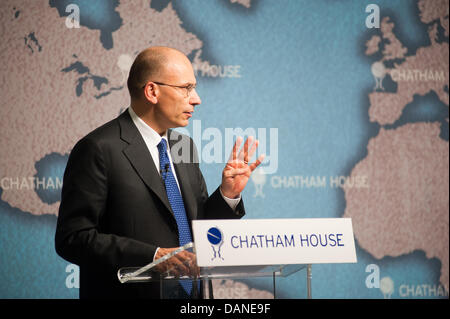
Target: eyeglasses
<point>188,87</point>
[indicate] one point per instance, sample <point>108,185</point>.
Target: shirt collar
<point>149,134</point>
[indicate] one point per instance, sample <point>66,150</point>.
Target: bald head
<point>151,64</point>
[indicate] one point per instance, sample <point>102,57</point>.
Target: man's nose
<point>194,98</point>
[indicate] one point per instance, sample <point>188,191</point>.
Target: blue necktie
<point>176,202</point>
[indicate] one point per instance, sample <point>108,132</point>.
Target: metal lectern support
<point>308,280</point>
<point>274,290</point>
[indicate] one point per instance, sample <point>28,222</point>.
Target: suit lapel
<point>139,156</point>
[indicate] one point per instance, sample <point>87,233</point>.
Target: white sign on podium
<point>224,242</point>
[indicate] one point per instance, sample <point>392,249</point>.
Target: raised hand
<point>236,173</point>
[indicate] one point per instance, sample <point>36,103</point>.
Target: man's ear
<point>151,92</point>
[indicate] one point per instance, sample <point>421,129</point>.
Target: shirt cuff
<point>232,202</point>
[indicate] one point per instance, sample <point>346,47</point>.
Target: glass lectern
<point>204,275</point>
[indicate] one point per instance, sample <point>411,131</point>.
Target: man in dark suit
<point>121,185</point>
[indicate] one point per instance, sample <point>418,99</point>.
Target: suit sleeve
<point>78,237</point>
<point>217,208</point>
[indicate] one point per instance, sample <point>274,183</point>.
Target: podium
<point>205,275</point>
<point>254,248</point>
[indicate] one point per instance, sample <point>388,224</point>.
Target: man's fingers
<point>232,171</point>
<point>236,147</point>
<point>243,154</point>
<point>179,267</point>
<point>247,151</point>
<point>252,150</point>
<point>257,162</point>
<point>188,259</point>
<point>182,264</point>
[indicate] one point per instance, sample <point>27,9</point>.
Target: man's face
<point>175,106</point>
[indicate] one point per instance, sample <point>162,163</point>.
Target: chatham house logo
<point>215,238</point>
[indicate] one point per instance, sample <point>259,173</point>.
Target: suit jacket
<point>114,209</point>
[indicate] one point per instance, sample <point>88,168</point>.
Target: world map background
<point>304,68</point>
